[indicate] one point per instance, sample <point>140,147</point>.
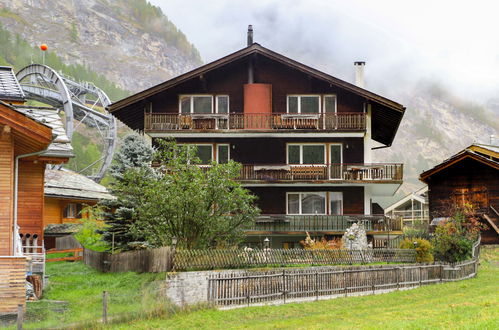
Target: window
<point>306,154</point>
<point>72,211</point>
<point>223,153</point>
<point>205,153</point>
<point>304,104</point>
<point>329,103</point>
<point>203,104</point>
<point>222,104</point>
<point>306,203</point>
<point>336,202</point>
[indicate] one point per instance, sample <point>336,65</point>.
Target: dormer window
<point>203,104</point>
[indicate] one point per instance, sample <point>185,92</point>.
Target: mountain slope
<point>129,41</point>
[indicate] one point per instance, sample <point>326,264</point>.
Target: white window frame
<point>335,102</point>
<point>191,101</point>
<point>228,103</point>
<point>329,201</point>
<point>301,152</point>
<point>324,193</point>
<point>299,102</point>
<point>228,150</point>
<point>341,151</point>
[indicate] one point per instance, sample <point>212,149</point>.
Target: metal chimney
<point>359,73</point>
<point>250,35</point>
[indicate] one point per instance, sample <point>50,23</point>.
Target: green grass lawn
<point>74,295</point>
<point>74,299</point>
<point>472,303</point>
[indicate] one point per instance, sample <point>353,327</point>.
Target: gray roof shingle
<point>68,184</point>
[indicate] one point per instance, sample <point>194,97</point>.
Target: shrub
<point>311,244</point>
<point>423,248</point>
<point>89,234</point>
<point>454,238</point>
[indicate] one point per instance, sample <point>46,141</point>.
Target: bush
<point>450,244</point>
<point>423,248</point>
<point>89,234</point>
<point>311,244</point>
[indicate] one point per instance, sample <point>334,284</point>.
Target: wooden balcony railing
<point>323,172</point>
<point>322,223</point>
<point>344,121</point>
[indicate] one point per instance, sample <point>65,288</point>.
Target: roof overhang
<point>465,154</point>
<point>386,113</point>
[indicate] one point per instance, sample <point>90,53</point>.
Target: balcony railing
<point>322,223</point>
<point>322,172</point>
<point>344,121</point>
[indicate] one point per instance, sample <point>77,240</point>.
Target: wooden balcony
<point>322,172</point>
<point>168,122</point>
<point>333,224</point>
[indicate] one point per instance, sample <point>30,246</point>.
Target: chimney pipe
<point>250,35</point>
<point>359,74</point>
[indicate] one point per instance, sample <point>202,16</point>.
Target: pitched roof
<point>64,183</point>
<point>61,144</point>
<point>486,154</point>
<point>10,90</point>
<point>382,117</point>
<point>417,195</point>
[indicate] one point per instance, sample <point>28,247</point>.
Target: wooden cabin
<point>27,145</point>
<point>66,195</point>
<point>470,176</point>
<point>305,139</point>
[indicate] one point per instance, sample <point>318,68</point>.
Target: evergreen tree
<point>120,214</point>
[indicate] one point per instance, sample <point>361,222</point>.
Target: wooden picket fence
<point>281,286</point>
<point>227,259</point>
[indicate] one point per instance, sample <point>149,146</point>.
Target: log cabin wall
<point>466,174</point>
<point>53,212</point>
<point>230,80</point>
<point>272,200</point>
<point>6,192</point>
<point>273,150</point>
<point>31,197</point>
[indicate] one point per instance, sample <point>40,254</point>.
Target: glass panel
<point>336,200</point>
<point>185,104</point>
<point>335,154</point>
<point>293,154</point>
<point>293,203</point>
<point>293,104</point>
<point>329,104</point>
<point>202,104</point>
<point>313,154</point>
<point>222,104</point>
<point>204,153</point>
<point>223,154</point>
<point>313,203</point>
<point>309,104</point>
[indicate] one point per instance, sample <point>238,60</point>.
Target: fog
<point>452,43</point>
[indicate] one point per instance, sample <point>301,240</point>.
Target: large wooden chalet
<point>471,176</point>
<point>305,139</point>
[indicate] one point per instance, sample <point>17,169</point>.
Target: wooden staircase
<point>492,218</point>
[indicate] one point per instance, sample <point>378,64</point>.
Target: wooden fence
<point>12,284</point>
<point>153,260</point>
<point>220,259</point>
<point>76,255</point>
<point>67,242</point>
<point>303,284</point>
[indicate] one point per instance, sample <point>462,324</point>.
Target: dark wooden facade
<point>257,77</point>
<point>468,177</point>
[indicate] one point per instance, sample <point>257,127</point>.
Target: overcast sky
<point>453,42</point>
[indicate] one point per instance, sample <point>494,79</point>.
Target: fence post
<point>104,306</point>
<point>420,275</point>
<point>316,285</point>
<point>284,286</point>
<point>20,316</point>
